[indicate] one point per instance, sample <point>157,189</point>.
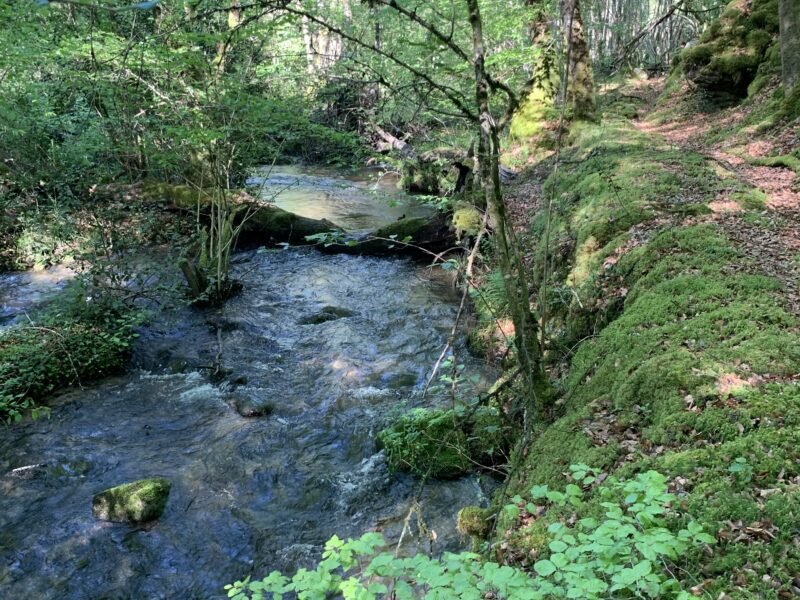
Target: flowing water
<point>249,494</point>
<point>21,292</point>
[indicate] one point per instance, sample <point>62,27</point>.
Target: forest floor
<point>772,240</point>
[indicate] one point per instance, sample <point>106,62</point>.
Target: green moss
<point>74,341</point>
<point>790,107</point>
<point>426,442</point>
<point>467,219</point>
<point>474,521</point>
<point>403,229</point>
<point>679,374</point>
<point>138,501</point>
<point>487,435</point>
<point>585,262</point>
<point>620,178</point>
<point>690,360</point>
<point>731,52</point>
<point>790,161</point>
<point>443,443</point>
<point>530,122</point>
<point>751,199</point>
<point>697,56</point>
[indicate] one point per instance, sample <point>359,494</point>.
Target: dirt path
<point>769,237</point>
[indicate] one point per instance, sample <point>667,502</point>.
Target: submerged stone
<point>247,406</point>
<point>135,502</point>
<point>329,313</point>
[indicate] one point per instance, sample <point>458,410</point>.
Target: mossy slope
<point>690,366</point>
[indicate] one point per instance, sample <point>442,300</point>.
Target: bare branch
<point>647,29</point>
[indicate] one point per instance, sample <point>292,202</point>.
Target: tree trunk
<point>790,42</point>
<point>517,289</point>
<point>308,44</point>
<point>234,20</point>
<point>580,83</point>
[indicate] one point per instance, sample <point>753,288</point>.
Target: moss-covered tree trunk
<point>534,111</point>
<point>580,82</point>
<point>790,42</point>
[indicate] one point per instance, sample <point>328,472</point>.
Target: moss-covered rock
<point>488,436</point>
<point>444,443</point>
<point>270,224</point>
<point>467,220</point>
<point>135,502</point>
<point>426,442</point>
<point>416,236</point>
<point>73,342</point>
<point>474,521</point>
<point>728,56</point>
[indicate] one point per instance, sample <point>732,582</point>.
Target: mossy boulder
<point>467,220</point>
<point>444,443</point>
<point>488,436</point>
<point>426,442</point>
<point>135,502</point>
<point>728,56</point>
<point>272,224</point>
<point>474,521</point>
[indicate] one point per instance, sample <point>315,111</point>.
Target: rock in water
<point>248,406</point>
<point>136,502</point>
<point>419,235</point>
<point>329,313</point>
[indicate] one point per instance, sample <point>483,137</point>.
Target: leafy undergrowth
<point>689,370</point>
<point>614,556</point>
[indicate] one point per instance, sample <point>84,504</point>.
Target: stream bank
<point>675,337</point>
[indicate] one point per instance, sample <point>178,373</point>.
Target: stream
<point>333,345</point>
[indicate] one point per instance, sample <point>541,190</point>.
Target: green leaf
<point>539,491</point>
<point>544,567</point>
